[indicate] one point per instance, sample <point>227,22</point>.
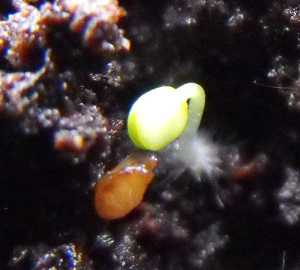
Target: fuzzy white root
<point>199,154</point>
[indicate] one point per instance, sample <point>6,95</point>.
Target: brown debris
<point>79,131</point>
<point>244,170</point>
<point>22,34</point>
<point>16,91</point>
<point>97,19</point>
<point>42,94</point>
<point>25,33</point>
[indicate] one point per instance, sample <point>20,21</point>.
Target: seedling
<point>156,119</point>
<point>162,115</point>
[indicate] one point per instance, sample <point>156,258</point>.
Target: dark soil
<point>68,77</point>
